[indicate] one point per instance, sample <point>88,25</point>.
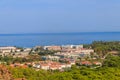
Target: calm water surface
<point>31,40</point>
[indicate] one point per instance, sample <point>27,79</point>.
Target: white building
<point>44,66</point>
<point>7,49</point>
<point>53,58</point>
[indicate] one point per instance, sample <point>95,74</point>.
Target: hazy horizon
<point>62,32</point>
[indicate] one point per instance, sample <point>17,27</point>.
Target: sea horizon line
<point>55,33</point>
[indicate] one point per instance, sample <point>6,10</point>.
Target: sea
<point>45,39</point>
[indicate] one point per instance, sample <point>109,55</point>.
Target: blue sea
<point>31,40</point>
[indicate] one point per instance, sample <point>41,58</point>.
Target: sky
<point>58,16</point>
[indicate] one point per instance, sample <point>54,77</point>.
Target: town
<point>67,62</point>
<point>52,57</point>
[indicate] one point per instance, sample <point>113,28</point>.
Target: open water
<point>31,40</point>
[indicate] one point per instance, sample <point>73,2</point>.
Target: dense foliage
<point>10,59</point>
<point>109,71</point>
<point>104,47</point>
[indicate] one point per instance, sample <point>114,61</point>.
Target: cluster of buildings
<point>45,65</point>
<point>64,58</point>
<point>68,51</point>
<point>71,54</point>
<point>63,47</point>
<point>88,63</point>
<point>14,51</point>
<point>51,65</point>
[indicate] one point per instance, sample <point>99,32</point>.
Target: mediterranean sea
<point>41,39</point>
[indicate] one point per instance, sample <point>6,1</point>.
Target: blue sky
<point>51,16</point>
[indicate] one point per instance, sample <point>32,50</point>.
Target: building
<point>86,63</point>
<point>52,58</point>
<point>7,50</point>
<point>87,51</point>
<point>72,46</point>
<point>55,48</point>
<point>44,66</point>
<point>97,63</point>
<point>50,65</point>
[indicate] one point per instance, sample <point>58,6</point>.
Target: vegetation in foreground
<point>110,69</point>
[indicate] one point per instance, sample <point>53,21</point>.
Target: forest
<point>104,47</point>
<point>110,70</point>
